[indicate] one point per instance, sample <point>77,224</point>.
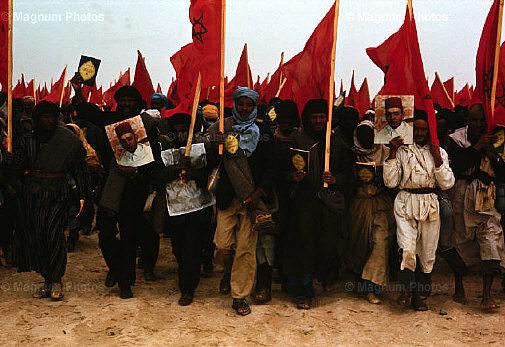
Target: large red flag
<point>484,65</point>
<point>440,95</point>
<point>142,80</point>
<point>243,77</point>
<point>108,95</point>
<point>352,99</point>
<point>399,57</point>
<point>202,55</point>
<point>307,73</point>
<point>363,102</point>
<point>463,97</point>
<point>449,86</point>
<point>58,89</point>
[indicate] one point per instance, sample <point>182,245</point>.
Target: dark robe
<point>314,238</point>
<point>44,201</point>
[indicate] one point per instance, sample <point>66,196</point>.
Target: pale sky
<point>51,33</point>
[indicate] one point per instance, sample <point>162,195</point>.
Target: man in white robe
<point>417,170</point>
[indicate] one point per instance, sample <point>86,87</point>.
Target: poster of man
<point>394,117</point>
<point>129,141</point>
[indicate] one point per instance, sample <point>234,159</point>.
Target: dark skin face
<point>442,128</point>
<point>127,106</point>
<point>394,116</point>
<point>286,125</point>
<point>476,124</point>
<point>47,123</point>
<point>421,132</point>
<point>244,106</point>
<point>157,104</point>
<point>129,142</point>
<point>365,136</point>
<point>319,121</point>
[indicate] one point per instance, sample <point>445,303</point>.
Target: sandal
<point>241,307</point>
<point>43,292</point>
<point>302,303</point>
<point>419,303</point>
<point>57,292</point>
<point>262,296</point>
<point>404,299</point>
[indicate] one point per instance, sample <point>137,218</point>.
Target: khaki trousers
<point>234,230</point>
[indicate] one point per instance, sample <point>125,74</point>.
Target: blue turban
<point>163,98</point>
<point>248,130</point>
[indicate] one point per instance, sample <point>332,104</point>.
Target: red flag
<point>352,98</point>
<point>42,92</point>
<point>399,57</point>
<point>273,87</point>
<point>4,46</point>
<point>19,90</point>
<point>363,102</point>
<point>472,89</point>
<point>30,88</point>
<point>96,96</point>
<point>306,73</point>
<point>257,85</point>
<point>440,95</point>
<point>108,95</point>
<point>142,80</point>
<point>58,89</point>
<point>66,95</point>
<point>463,97</point>
<point>449,86</point>
<point>243,77</point>
<point>484,66</point>
<point>172,92</point>
<point>202,55</point>
<point>158,89</point>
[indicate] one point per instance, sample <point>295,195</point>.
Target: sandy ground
<point>92,314</point>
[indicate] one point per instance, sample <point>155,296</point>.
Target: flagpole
<point>445,90</point>
<point>63,83</point>
<point>193,115</point>
<point>9,79</point>
<point>409,5</point>
<point>331,91</point>
<point>221,72</point>
<point>496,61</point>
<point>280,67</point>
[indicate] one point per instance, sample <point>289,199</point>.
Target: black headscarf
<point>311,107</point>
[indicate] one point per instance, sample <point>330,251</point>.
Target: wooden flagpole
<point>193,115</point>
<point>331,91</point>
<point>221,72</point>
<point>34,91</point>
<point>282,80</point>
<point>496,61</point>
<point>9,79</point>
<point>445,90</point>
<point>63,83</point>
<point>409,4</point>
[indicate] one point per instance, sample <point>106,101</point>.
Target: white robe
<point>142,156</point>
<point>405,131</point>
<point>417,215</point>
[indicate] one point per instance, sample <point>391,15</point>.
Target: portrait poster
<point>128,139</point>
<point>394,116</point>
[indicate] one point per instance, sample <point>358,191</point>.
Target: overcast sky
<point>51,33</point>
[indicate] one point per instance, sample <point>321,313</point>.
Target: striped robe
<point>44,202</point>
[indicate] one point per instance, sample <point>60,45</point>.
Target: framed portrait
<point>394,116</point>
<point>128,139</point>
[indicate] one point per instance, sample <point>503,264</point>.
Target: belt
<point>421,190</point>
<point>43,174</point>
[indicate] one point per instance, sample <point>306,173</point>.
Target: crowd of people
<point>380,212</point>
